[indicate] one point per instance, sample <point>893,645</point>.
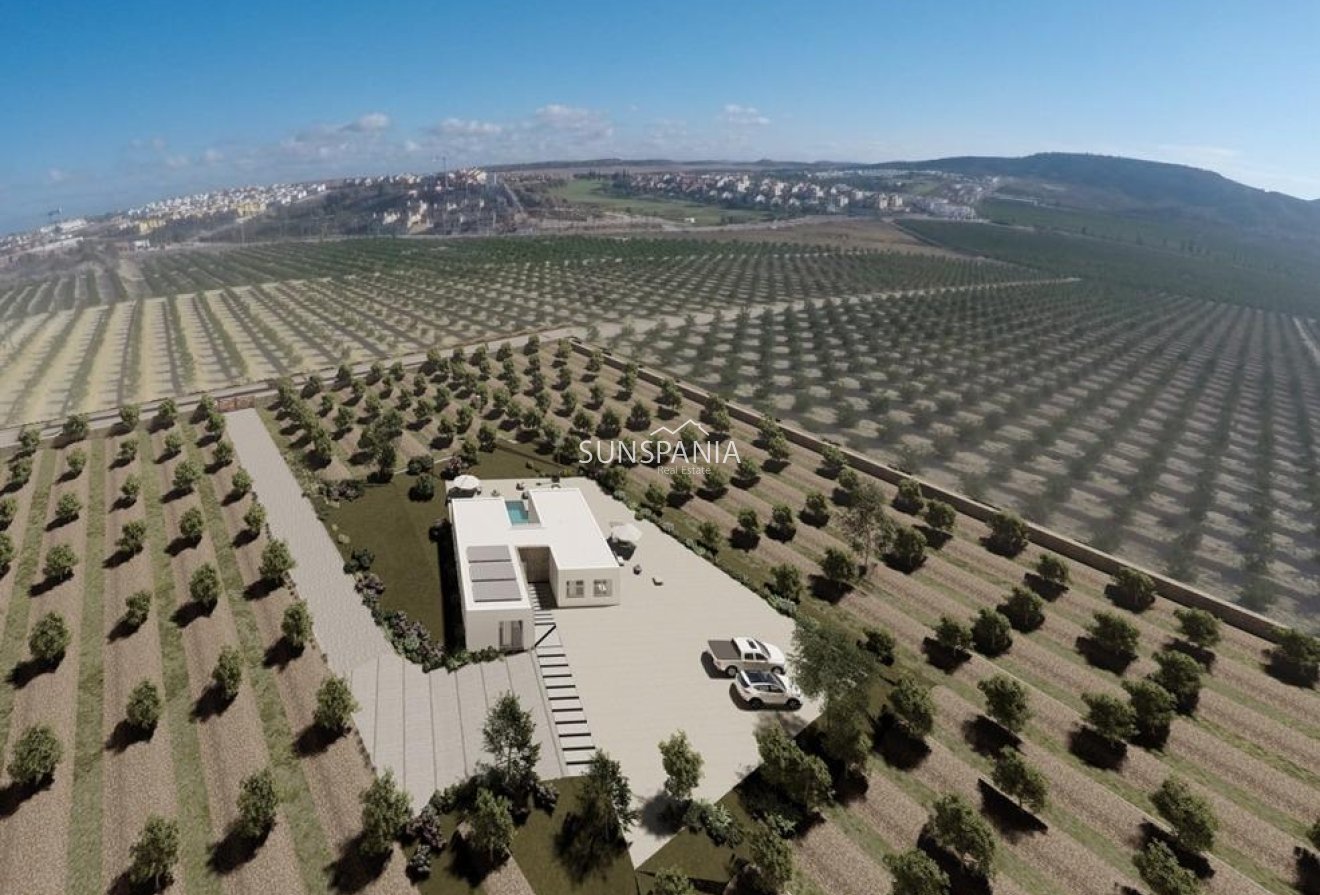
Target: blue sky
<point>105,105</point>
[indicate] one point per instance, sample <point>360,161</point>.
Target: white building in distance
<point>545,540</point>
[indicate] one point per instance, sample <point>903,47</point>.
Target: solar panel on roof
<point>493,571</point>
<point>489,553</point>
<point>505,590</point>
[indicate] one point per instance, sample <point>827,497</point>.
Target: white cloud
<point>177,161</point>
<point>370,123</point>
<point>57,175</point>
<point>573,119</point>
<point>213,156</point>
<point>743,116</point>
<point>460,127</point>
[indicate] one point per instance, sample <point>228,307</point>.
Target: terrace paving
<point>640,675</point>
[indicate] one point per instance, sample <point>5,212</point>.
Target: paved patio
<point>640,674</point>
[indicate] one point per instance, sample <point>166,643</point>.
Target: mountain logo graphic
<point>677,429</point>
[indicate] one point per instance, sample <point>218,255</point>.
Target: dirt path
<point>35,841</point>
<point>138,774</point>
<point>336,772</point>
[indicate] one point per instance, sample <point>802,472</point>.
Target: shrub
<point>76,461</point>
<point>276,562</point>
<point>991,634</point>
<point>786,581</point>
<point>908,549</point>
<point>1191,817</point>
<point>839,568</point>
<point>605,805</point>
<point>1152,710</point>
<point>6,552</point>
<point>961,830</point>
<point>772,860</point>
<point>1109,717</point>
<point>423,489</point>
<point>258,805</point>
<point>1114,635</point>
<point>909,498</point>
<point>803,779</point>
<point>204,586</point>
<point>37,753</point>
<point>138,609</point>
<point>335,705</point>
<point>682,765</point>
<point>228,673</point>
<point>129,416</point>
<point>241,483</point>
<point>713,820</point>
<point>1296,657</point>
<point>192,525</point>
<point>8,509</point>
<point>297,624</point>
<point>129,490</point>
<point>1159,869</point>
<point>953,635</point>
<point>1180,674</point>
<point>132,538</point>
<point>1006,702</point>
<point>1019,780</point>
<point>1024,610</point>
<point>879,643</point>
<point>491,820</point>
<point>385,810</point>
<point>912,708</point>
<point>67,508</point>
<point>915,873</point>
<point>1008,534</point>
<point>144,705</point>
<point>255,517</point>
<point>186,476</point>
<point>155,853</point>
<point>941,516</point>
<point>128,452</point>
<point>361,559</point>
<point>672,881</point>
<point>1133,590</point>
<point>75,427</point>
<point>49,639</point>
<point>223,454</point>
<point>1198,627</point>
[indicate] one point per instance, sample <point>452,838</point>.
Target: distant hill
<point>1135,187</point>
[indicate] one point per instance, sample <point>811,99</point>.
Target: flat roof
<point>486,535</point>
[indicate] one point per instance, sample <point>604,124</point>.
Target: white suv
<point>762,688</point>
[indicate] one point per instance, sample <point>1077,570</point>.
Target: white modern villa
<point>542,546</point>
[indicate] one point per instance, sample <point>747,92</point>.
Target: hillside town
<point>832,192</point>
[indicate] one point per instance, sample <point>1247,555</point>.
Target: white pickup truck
<point>745,654</point>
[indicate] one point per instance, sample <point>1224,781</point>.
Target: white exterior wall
<point>481,627</point>
<point>588,577</point>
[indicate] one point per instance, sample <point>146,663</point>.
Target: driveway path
<point>426,727</point>
<point>343,626</point>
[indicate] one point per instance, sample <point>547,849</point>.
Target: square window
<point>601,587</point>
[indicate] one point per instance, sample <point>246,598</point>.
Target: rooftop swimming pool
<point>518,514</point>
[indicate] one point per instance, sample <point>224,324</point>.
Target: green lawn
<point>396,528</point>
<point>538,849</point>
<point>596,194</point>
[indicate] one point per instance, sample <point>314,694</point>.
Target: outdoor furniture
<point>626,533</point>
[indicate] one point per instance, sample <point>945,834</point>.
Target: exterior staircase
<point>566,713</point>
